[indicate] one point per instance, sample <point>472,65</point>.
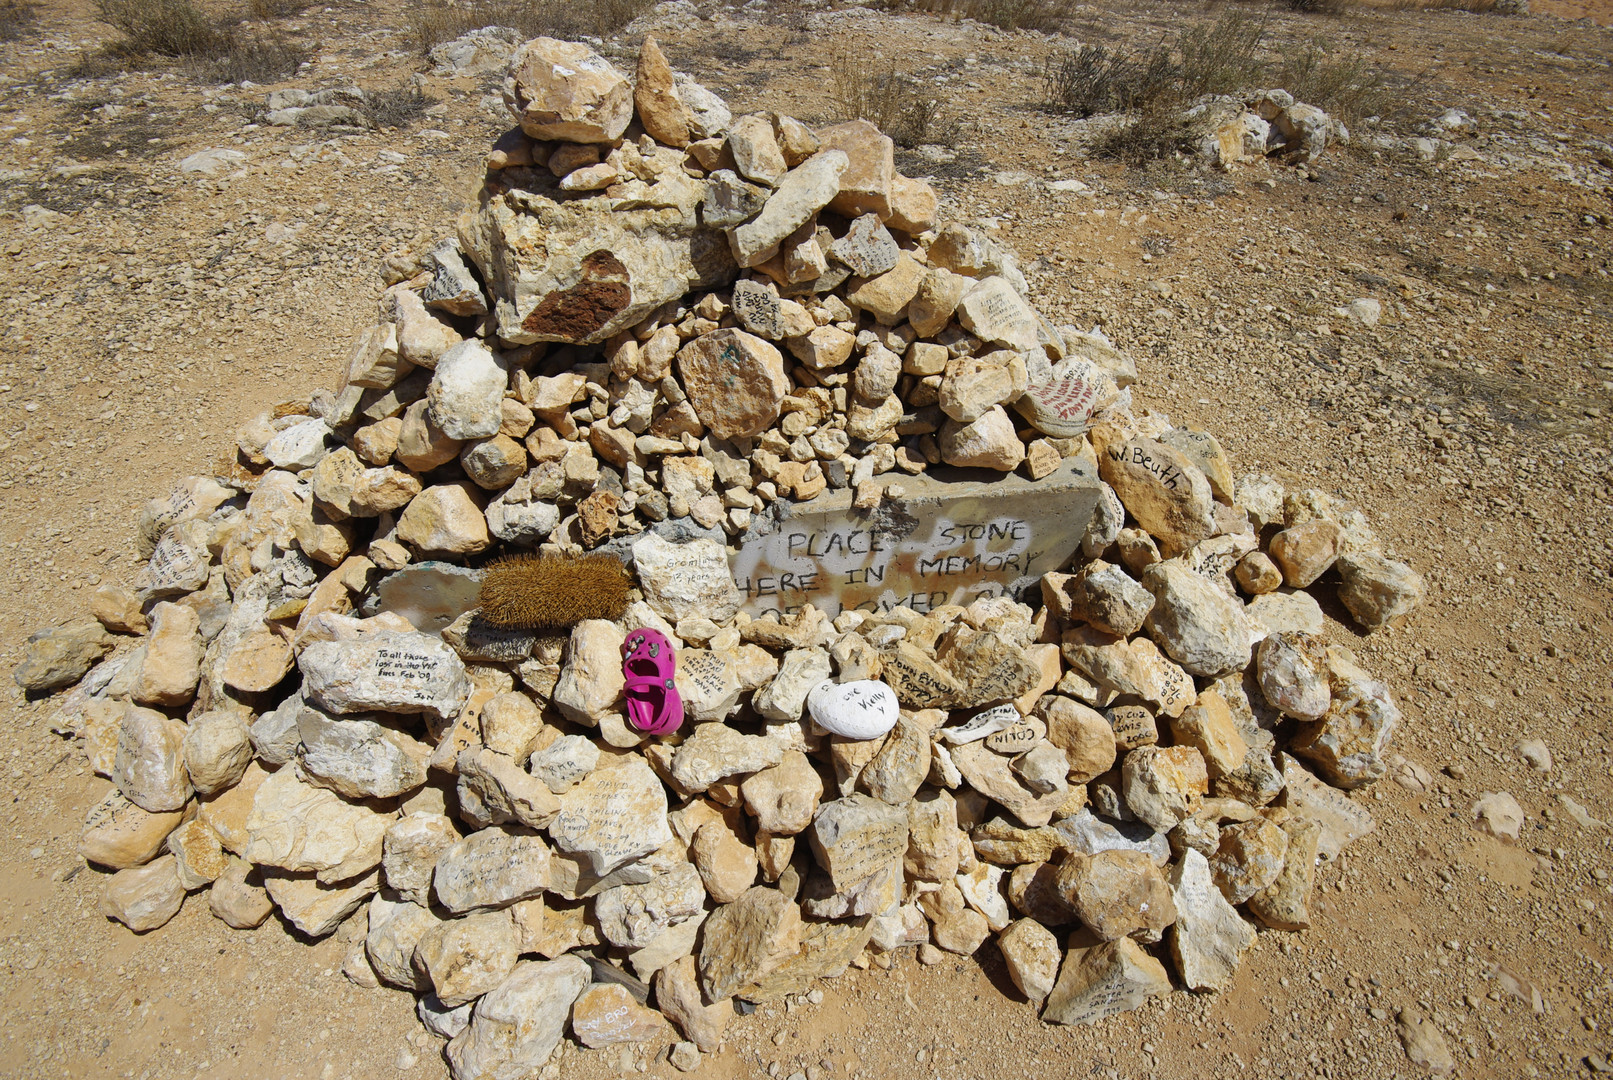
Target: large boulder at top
<point>582,270</point>
<point>565,90</point>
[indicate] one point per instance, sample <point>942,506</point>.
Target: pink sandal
<point>648,667</point>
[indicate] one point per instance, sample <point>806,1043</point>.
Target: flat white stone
<point>863,709</point>
<point>981,724</point>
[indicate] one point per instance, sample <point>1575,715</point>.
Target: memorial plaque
<point>941,543</point>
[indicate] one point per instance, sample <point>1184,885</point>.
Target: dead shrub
<point>907,109</point>
<point>1152,134</point>
<point>398,107</point>
<point>255,58</point>
<point>1095,79</point>
<point>276,9</point>
<point>1222,57</point>
<point>1047,16</point>
<point>436,21</point>
<point>175,28</point>
<point>17,18</point>
<point>1349,87</point>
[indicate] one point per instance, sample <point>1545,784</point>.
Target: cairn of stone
<point>673,336</point>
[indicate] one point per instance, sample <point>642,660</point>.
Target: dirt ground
<point>148,312</point>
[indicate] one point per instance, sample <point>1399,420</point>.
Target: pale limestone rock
<point>686,580</point>
<point>1098,982</point>
<point>783,797</point>
<point>993,311</point>
<point>896,772</point>
<point>734,380</point>
<point>715,752</point>
<point>199,857</point>
<point>1499,814</point>
<point>1292,671</point>
<point>238,898</point>
<point>933,837</point>
<point>1197,625</point>
<point>564,90</point>
<point>624,793</point>
<point>1163,785</point>
<point>491,868</point>
<point>218,749</point>
<point>316,908</point>
<point>1160,487</point>
<point>607,1014</point>
<point>865,186</point>
<point>756,151</point>
<point>395,931</point>
<point>1031,954</point>
<point>150,764</point>
<point>726,861</point>
<point>1117,893</point>
<point>747,939</point>
<point>1287,612</point>
<point>982,889</point>
<point>1424,1043</point>
<point>991,774</point>
<point>1342,820</point>
<point>411,848</point>
<point>298,827</point>
<point>173,658</point>
<point>227,811</point>
<point>143,898</point>
<point>635,916</point>
<point>385,671</point>
<point>444,520</point>
<point>359,759</point>
<point>1209,936</point>
<point>1134,667</point>
<point>1249,858</point>
<point>505,791</point>
<point>465,958</point>
<point>1102,595</point>
<point>655,97</point>
<point>802,192</point>
<point>1285,903</point>
<point>678,995</point>
<point>516,1027</point>
<point>1349,745</point>
<point>801,671</point>
<point>1082,733</point>
<point>1208,727</point>
<point>887,296</point>
<point>1305,552</point>
<point>860,843</point>
<point>1204,450</point>
<point>118,834</point>
<point>591,680</point>
<point>1378,590</point>
<point>565,763</point>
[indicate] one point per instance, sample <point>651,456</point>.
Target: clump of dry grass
<point>17,18</point>
<point>214,50</point>
<point>1349,87</point>
<point>434,21</point>
<point>396,108</point>
<point>907,109</point>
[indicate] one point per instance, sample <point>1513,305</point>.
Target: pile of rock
<point>314,721</point>
<point>1267,125</point>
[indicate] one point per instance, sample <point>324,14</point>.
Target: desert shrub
<point>1096,79</point>
<point>435,21</point>
<point>17,18</point>
<point>276,9</point>
<point>907,109</point>
<point>1317,7</point>
<point>398,107</point>
<point>1207,58</point>
<point>1346,86</point>
<point>1150,135</point>
<point>175,28</point>
<point>247,57</point>
<point>1222,57</point>
<point>1044,15</point>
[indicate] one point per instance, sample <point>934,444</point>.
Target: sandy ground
<point>160,309</point>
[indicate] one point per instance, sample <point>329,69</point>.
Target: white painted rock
<point>864,709</point>
<point>981,724</point>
